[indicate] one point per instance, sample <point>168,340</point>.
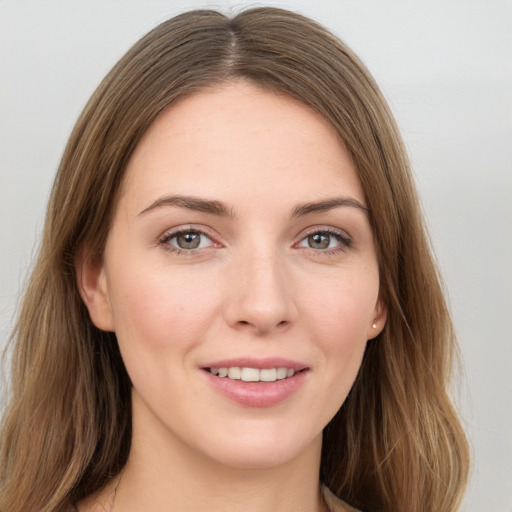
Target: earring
<point>374,325</point>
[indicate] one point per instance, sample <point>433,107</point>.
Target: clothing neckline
<point>334,504</point>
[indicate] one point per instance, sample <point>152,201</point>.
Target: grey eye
<point>326,241</point>
<point>319,240</point>
<point>322,240</point>
<point>189,240</point>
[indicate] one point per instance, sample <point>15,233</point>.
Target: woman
<point>235,303</point>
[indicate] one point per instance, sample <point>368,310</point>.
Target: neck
<point>162,473</point>
<point>275,490</point>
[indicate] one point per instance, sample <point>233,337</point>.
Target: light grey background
<point>446,68</point>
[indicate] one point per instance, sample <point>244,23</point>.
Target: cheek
<point>161,309</point>
<point>343,306</point>
<point>340,313</point>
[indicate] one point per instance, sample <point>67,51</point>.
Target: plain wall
<point>446,68</point>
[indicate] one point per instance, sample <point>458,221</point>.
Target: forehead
<point>241,139</point>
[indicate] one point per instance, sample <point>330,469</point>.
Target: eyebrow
<point>192,203</point>
<point>327,204</point>
<point>220,209</point>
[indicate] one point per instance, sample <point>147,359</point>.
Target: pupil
<point>189,240</point>
<point>318,241</point>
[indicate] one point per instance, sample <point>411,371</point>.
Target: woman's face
<point>240,245</point>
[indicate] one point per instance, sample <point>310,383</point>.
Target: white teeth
<point>281,373</point>
<point>254,374</point>
<point>234,372</point>
<point>250,374</point>
<point>268,375</point>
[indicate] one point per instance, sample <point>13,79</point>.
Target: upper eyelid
<point>172,232</point>
<point>324,229</point>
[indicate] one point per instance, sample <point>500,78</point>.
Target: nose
<point>261,296</point>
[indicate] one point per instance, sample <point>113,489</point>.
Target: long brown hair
<point>396,444</point>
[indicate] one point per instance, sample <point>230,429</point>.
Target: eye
<point>187,240</point>
<point>325,241</point>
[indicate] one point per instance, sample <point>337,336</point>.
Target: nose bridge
<point>262,295</point>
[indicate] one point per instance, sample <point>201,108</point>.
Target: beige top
<point>334,503</point>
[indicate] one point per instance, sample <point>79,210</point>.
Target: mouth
<point>248,374</point>
<point>256,382</point>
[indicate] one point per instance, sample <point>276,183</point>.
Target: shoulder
<point>334,503</point>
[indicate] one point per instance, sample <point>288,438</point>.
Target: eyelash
<point>164,241</point>
<point>344,241</point>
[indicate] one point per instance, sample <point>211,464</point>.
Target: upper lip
<point>259,363</point>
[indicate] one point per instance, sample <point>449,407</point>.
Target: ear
<point>378,320</point>
<point>92,285</point>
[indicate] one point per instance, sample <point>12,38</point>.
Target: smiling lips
<point>256,383</point>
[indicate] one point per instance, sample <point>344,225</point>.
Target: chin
<point>263,450</point>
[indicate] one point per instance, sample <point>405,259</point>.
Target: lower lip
<point>256,394</point>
